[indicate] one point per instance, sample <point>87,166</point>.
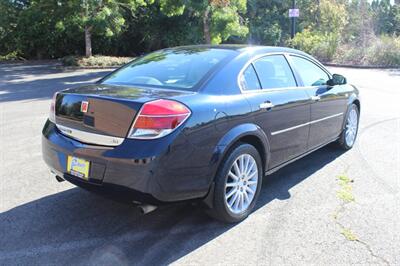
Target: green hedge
<point>95,61</point>
<point>380,51</point>
<point>322,46</point>
<point>13,56</point>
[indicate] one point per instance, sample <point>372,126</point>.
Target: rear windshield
<point>172,68</point>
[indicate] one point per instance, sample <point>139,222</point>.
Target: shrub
<point>322,46</point>
<point>381,51</point>
<point>385,51</point>
<point>95,61</point>
<point>349,54</point>
<point>70,61</point>
<point>13,56</point>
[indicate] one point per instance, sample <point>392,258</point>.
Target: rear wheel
<point>349,133</point>
<point>237,185</point>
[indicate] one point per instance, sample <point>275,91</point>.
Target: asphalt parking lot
<point>330,207</point>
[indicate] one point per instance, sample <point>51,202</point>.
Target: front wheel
<point>350,130</point>
<point>237,185</point>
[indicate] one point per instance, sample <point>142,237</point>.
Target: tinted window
<point>176,68</point>
<point>310,73</point>
<point>249,79</point>
<point>274,72</point>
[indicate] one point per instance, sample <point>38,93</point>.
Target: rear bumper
<point>152,172</point>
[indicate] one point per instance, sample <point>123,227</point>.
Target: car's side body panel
<point>327,114</point>
<point>285,124</point>
<point>242,132</point>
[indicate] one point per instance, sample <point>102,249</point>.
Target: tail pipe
<point>57,176</point>
<point>59,179</point>
<point>146,208</point>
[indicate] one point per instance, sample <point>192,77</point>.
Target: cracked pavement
<point>46,222</point>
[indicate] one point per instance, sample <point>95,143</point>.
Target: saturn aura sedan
<point>202,123</point>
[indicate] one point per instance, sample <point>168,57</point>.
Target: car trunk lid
<point>91,112</point>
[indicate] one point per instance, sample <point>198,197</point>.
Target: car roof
<point>243,48</point>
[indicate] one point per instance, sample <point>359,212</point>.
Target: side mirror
<point>336,80</point>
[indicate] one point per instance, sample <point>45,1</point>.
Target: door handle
<point>266,105</point>
<point>316,98</point>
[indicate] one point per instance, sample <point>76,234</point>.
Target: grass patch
<point>345,179</point>
<point>345,196</point>
<point>349,235</point>
<point>346,191</point>
<point>95,61</point>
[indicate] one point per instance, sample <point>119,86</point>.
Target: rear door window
<point>274,72</point>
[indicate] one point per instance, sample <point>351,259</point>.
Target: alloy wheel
<point>351,127</point>
<point>241,183</point>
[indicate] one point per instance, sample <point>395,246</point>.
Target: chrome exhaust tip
<point>60,179</point>
<point>146,208</point>
<point>57,175</point>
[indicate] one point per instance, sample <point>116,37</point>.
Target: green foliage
<point>320,45</point>
<point>223,17</point>
<point>268,21</point>
<point>385,51</point>
<point>348,234</point>
<point>381,51</point>
<point>386,16</point>
<point>45,30</point>
<point>13,56</point>
<point>333,17</point>
<point>345,193</point>
<point>226,22</point>
<point>324,33</point>
<point>339,30</point>
<point>105,17</point>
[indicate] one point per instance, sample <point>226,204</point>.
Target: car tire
<point>350,130</point>
<point>237,184</point>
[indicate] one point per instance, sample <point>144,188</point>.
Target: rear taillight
<point>52,114</point>
<point>158,118</point>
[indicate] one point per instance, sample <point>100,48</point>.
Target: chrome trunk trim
<point>90,138</point>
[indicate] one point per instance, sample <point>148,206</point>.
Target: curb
<point>88,67</point>
<point>31,62</point>
<point>361,66</point>
<point>59,65</point>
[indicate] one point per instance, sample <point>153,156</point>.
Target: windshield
<point>178,68</point>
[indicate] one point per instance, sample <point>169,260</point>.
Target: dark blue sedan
<point>198,123</point>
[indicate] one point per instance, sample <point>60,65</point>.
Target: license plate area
<point>78,167</point>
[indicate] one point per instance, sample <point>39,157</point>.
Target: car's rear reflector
<point>52,114</point>
<point>158,118</point>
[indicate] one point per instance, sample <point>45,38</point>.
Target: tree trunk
<point>88,41</point>
<point>206,26</point>
<point>318,15</point>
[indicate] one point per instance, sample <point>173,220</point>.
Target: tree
<point>268,21</point>
<point>323,33</point>
<point>221,19</point>
<point>106,16</point>
<point>9,13</point>
<point>40,29</point>
<point>386,16</point>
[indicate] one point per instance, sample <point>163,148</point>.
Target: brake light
<point>158,118</point>
<point>52,114</point>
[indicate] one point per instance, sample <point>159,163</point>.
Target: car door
<point>328,103</point>
<point>279,107</point>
